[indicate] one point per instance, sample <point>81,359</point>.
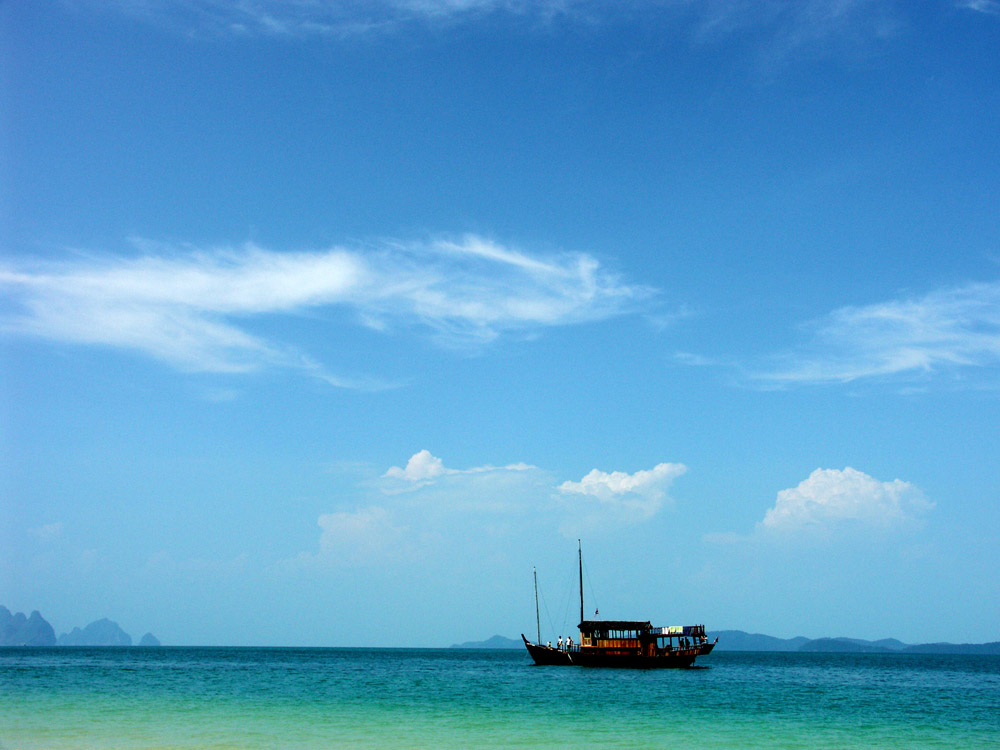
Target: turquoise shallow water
<point>392,698</point>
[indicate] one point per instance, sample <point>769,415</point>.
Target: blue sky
<point>324,322</point>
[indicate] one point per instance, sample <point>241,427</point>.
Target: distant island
<point>33,630</point>
<point>18,630</point>
<point>497,641</point>
<point>738,640</point>
<point>99,633</point>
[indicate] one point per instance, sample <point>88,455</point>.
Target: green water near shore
<point>393,698</point>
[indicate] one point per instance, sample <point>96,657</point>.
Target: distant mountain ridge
<point>102,632</point>
<point>739,640</point>
<point>18,630</point>
<point>497,641</point>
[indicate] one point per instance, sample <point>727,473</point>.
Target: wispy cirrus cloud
<point>990,7</point>
<point>954,329</point>
<point>337,18</point>
<point>47,531</point>
<point>789,27</point>
<point>192,308</point>
<point>781,27</point>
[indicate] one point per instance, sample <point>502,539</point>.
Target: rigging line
<point>564,611</point>
<point>548,615</point>
<point>571,593</point>
<point>593,596</point>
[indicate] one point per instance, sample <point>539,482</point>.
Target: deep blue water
<point>329,698</point>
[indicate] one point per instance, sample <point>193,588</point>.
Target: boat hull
<point>588,657</point>
<point>546,656</point>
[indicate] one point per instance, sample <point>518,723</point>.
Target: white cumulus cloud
<point>357,533</point>
<point>831,496</point>
<point>617,497</point>
<point>606,487</point>
<point>423,466</point>
<point>367,536</point>
<point>423,507</point>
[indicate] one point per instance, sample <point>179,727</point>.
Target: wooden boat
<point>629,644</point>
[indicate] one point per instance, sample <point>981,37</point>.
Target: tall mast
<point>579,549</point>
<point>538,625</point>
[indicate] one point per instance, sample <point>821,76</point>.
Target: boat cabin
<point>626,637</point>
<point>614,634</point>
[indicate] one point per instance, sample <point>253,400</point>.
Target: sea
<point>310,699</point>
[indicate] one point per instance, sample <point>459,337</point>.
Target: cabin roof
<point>589,626</point>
